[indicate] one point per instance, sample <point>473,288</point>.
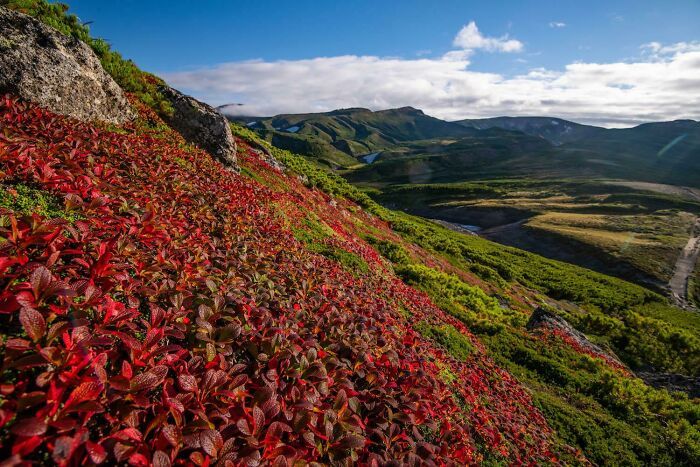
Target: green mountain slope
<point>555,130</point>
<point>339,136</point>
<point>664,152</point>
<point>488,153</point>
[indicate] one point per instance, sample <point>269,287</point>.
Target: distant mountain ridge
<point>399,145</point>
<point>555,130</point>
<point>384,127</point>
<point>339,136</point>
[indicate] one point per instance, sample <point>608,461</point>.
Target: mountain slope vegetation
<point>158,308</point>
<point>339,136</point>
<point>555,130</point>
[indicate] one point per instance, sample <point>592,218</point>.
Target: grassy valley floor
<point>617,228</point>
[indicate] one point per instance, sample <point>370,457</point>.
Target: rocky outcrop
<point>264,153</point>
<point>542,318</point>
<point>201,125</point>
<point>672,382</point>
<point>58,72</point>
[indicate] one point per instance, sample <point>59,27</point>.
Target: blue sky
<point>186,44</point>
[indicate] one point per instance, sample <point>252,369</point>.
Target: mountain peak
<point>406,110</point>
<point>348,111</point>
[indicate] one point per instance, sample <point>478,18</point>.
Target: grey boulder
<point>201,125</point>
<point>542,318</point>
<point>57,72</point>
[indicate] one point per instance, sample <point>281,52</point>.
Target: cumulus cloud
<point>658,50</point>
<point>663,83</point>
<point>470,38</point>
<point>557,24</point>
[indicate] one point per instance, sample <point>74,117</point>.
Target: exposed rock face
<point>672,382</point>
<point>264,153</point>
<point>201,125</point>
<point>57,72</point>
<point>542,318</point>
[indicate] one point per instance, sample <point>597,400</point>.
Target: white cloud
<point>557,24</point>
<point>470,38</point>
<point>662,84</point>
<point>658,50</point>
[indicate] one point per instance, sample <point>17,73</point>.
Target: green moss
<point>349,261</point>
<point>314,234</point>
<point>25,200</point>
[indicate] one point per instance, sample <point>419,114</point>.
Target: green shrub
<point>456,343</point>
<point>390,250</point>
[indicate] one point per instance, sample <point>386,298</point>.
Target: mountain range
<point>405,144</point>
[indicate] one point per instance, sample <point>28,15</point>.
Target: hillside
<point>663,152</point>
<point>340,136</point>
<point>555,130</point>
<point>489,153</point>
<point>162,305</point>
<point>400,145</point>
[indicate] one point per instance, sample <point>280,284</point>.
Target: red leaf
<point>85,391</point>
<point>351,442</point>
<point>33,323</point>
<point>160,459</point>
<point>40,279</point>
<point>187,383</point>
<point>30,427</point>
<point>149,379</point>
<point>211,442</point>
<point>242,425</point>
<point>96,452</point>
<point>27,445</point>
<point>258,418</point>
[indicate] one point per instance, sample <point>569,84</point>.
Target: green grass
<point>612,227</point>
<point>313,233</point>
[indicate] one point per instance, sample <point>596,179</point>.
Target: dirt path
<point>684,268</point>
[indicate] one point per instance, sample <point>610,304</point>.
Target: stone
<point>672,382</point>
<point>201,125</point>
<point>542,318</point>
<point>57,72</point>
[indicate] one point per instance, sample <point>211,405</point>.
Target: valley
<point>620,202</point>
<point>606,226</point>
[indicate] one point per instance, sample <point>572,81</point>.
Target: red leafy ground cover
<point>561,336</point>
<point>180,322</point>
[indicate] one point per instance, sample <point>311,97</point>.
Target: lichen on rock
<point>201,125</point>
<point>56,71</point>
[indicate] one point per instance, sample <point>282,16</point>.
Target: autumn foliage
<point>178,321</point>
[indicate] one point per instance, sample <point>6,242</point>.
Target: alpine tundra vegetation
<point>180,289</point>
